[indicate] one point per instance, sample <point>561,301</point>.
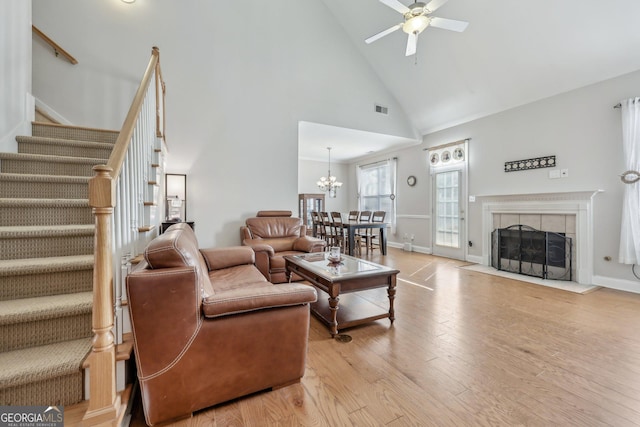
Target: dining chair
<point>338,231</point>
<point>316,224</point>
<point>363,233</point>
<point>354,215</point>
<point>327,229</point>
<point>377,216</point>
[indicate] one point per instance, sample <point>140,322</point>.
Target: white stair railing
<point>123,224</point>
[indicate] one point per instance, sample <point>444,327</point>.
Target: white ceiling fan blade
<point>412,43</point>
<point>395,4</point>
<point>448,24</point>
<point>383,33</point>
<point>433,5</point>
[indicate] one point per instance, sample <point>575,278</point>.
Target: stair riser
<point>15,215</point>
<point>63,150</point>
<point>58,391</point>
<point>46,168</point>
<point>43,284</point>
<point>75,134</point>
<point>44,190</point>
<point>46,331</point>
<point>42,247</point>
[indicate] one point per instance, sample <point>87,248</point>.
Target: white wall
<point>580,128</point>
<point>238,83</point>
<point>584,132</point>
<point>16,102</point>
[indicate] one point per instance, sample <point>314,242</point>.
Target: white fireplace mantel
<point>578,203</point>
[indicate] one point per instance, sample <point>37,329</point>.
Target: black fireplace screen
<point>524,250</point>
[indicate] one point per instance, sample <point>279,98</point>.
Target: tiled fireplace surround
<point>569,213</point>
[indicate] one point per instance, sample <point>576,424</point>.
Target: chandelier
<point>330,184</point>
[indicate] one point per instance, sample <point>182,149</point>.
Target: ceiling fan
<point>416,19</point>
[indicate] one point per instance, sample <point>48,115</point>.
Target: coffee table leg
<point>333,306</point>
<point>391,291</point>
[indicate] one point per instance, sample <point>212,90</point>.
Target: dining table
<point>352,226</point>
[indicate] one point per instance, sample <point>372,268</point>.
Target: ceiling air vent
<point>382,110</point>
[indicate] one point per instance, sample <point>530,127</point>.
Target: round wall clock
<point>411,181</point>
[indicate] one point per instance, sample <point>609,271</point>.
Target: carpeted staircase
<point>46,263</point>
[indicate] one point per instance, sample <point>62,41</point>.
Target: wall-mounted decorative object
<point>448,155</point>
<point>435,158</point>
<point>536,163</point>
<point>411,181</point>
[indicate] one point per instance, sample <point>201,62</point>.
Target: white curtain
<point>630,230</point>
<point>393,163</point>
<point>358,184</point>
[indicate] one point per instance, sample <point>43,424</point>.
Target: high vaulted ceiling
<point>512,53</point>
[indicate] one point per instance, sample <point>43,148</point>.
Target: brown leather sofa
<point>274,234</point>
<point>208,327</point>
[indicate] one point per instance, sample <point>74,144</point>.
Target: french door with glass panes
<point>449,231</point>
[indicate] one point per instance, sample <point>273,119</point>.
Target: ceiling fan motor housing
<point>416,19</point>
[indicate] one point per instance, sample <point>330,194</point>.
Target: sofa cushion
<point>274,227</point>
<point>273,213</point>
<point>278,262</point>
<point>242,300</point>
<point>176,247</point>
<point>236,277</point>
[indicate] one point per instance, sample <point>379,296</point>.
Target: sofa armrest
<point>258,245</point>
<point>165,310</point>
<point>242,300</point>
<point>219,258</point>
<point>263,254</point>
<point>309,244</point>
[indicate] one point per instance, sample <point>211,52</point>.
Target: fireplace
<point>545,211</point>
<point>524,250</point>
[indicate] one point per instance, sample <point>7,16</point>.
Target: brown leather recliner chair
<point>274,234</point>
<point>208,327</point>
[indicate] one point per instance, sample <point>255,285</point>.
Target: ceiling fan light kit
<point>416,20</point>
<point>416,24</point>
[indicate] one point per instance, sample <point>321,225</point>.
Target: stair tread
<point>15,267</point>
<point>6,202</point>
<point>64,179</point>
<point>47,307</point>
<point>43,362</point>
<point>46,230</point>
<point>61,125</point>
<point>50,158</point>
<point>63,141</point>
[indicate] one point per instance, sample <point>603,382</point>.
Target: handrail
<point>118,183</point>
<point>56,47</point>
<point>116,160</point>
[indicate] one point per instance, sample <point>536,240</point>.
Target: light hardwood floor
<point>466,349</point>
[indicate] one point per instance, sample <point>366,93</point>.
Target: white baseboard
<point>51,112</point>
<point>606,282</point>
<point>419,249</point>
<point>474,258</point>
<point>618,284</point>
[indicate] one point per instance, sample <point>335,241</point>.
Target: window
<point>377,188</point>
<point>447,209</point>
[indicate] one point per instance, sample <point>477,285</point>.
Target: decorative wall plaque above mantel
<point>536,163</point>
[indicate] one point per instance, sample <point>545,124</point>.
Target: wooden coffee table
<point>349,276</point>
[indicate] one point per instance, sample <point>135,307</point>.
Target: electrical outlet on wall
<point>564,173</point>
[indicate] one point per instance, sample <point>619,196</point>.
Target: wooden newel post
<point>104,401</point>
